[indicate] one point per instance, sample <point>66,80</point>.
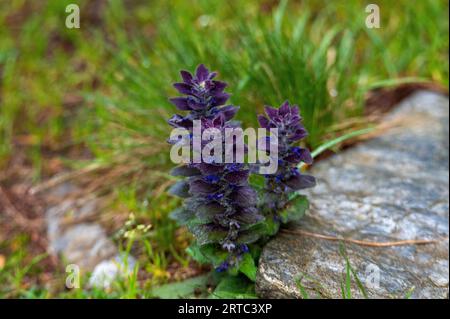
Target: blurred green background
<point>95,99</point>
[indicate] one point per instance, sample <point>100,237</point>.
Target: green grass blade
<point>339,140</point>
<point>348,281</point>
<point>302,289</point>
<point>410,292</point>
<point>396,82</point>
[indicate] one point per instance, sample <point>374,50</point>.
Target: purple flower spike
<point>219,205</point>
<point>203,94</point>
<point>288,178</point>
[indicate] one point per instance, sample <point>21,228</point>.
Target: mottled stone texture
<point>73,232</point>
<point>75,235</point>
<point>393,187</point>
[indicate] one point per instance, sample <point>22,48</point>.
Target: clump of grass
<point>270,57</point>
<point>44,67</point>
<point>296,52</point>
<point>20,272</point>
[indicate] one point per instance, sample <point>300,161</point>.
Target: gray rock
<point>85,245</point>
<point>73,233</point>
<point>393,187</point>
<point>107,271</point>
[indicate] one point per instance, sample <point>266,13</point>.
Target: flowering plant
<point>282,187</point>
<point>229,217</point>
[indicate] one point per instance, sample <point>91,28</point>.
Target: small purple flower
<point>229,246</point>
<point>235,224</point>
<point>223,267</point>
<point>215,197</point>
<point>245,248</point>
<point>234,167</point>
<point>279,178</point>
<point>212,178</point>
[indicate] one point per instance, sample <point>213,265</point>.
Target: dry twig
<point>364,242</point>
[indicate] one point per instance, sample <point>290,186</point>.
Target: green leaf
<point>233,270</point>
<point>183,289</point>
<point>234,287</point>
<point>249,220</point>
<point>180,189</point>
<point>247,266</point>
<point>181,215</point>
<point>271,226</point>
<point>207,254</point>
<point>255,250</point>
<point>194,251</point>
<point>206,213</point>
<point>296,209</point>
<point>256,181</point>
<point>258,229</point>
<point>205,234</point>
<point>185,171</point>
<point>248,237</point>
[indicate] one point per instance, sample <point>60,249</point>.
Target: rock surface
<point>393,187</point>
<point>107,271</point>
<point>76,237</point>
